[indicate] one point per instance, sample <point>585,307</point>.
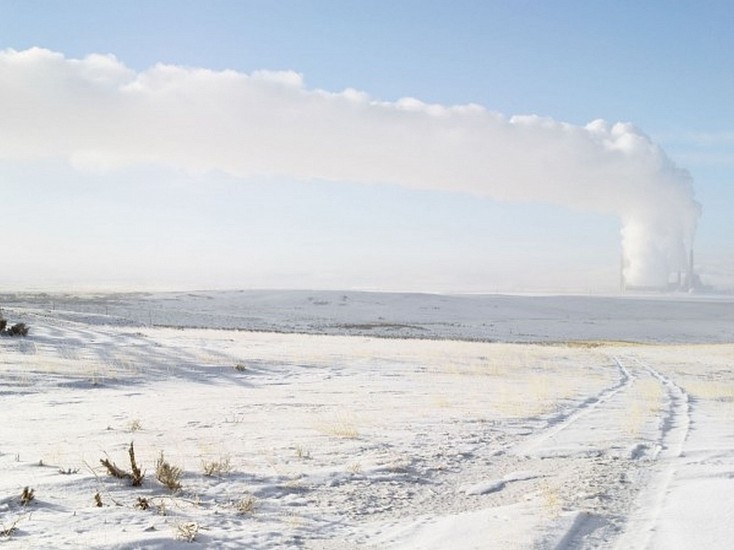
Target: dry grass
<point>113,469</point>
<point>27,496</point>
<point>136,479</point>
<point>245,505</point>
<point>339,425</point>
<point>714,390</point>
<point>187,531</point>
<point>134,425</point>
<point>169,476</point>
<point>7,531</point>
<point>135,476</point>
<point>551,499</point>
<point>634,419</point>
<point>302,453</point>
<point>218,467</point>
<point>650,392</point>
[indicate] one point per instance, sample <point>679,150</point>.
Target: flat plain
<point>368,420</point>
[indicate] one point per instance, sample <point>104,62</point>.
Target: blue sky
<point>666,67</point>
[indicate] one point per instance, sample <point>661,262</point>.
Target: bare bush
<point>187,531</point>
<point>10,529</point>
<point>135,475</point>
<point>217,468</point>
<point>168,475</point>
<point>113,469</point>
<point>246,505</point>
<point>26,496</point>
<point>18,329</point>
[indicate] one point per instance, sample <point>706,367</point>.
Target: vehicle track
<point>651,464</point>
<point>674,430</point>
<point>565,420</point>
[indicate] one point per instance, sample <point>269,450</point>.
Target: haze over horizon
<point>276,156</point>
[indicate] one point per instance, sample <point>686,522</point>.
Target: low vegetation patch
<point>135,476</point>
<point>18,329</point>
<point>246,505</point>
<point>340,425</point>
<point>169,476</point>
<point>27,496</point>
<point>134,425</point>
<point>10,529</point>
<point>142,503</point>
<point>218,467</point>
<point>187,531</point>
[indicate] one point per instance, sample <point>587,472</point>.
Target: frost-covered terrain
<point>559,422</point>
<point>634,318</point>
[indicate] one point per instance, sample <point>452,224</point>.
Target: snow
<point>554,422</point>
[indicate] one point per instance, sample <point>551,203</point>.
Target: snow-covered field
<point>558,422</point>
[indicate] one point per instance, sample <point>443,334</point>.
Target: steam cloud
<point>101,115</point>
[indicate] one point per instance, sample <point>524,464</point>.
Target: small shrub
<point>187,531</point>
<point>98,500</point>
<point>239,367</point>
<point>302,453</point>
<point>134,425</point>
<point>216,468</point>
<point>26,496</point>
<point>168,475</point>
<point>340,425</point>
<point>19,329</point>
<point>9,530</point>
<point>142,503</point>
<point>113,469</point>
<point>245,505</point>
<point>135,475</point>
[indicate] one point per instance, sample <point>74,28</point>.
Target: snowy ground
<point>329,441</point>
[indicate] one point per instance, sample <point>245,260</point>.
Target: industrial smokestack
<point>622,269</point>
<point>690,263</point>
<point>692,283</point>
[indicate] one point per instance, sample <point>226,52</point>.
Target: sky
<point>464,146</point>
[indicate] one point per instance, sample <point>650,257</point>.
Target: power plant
<point>683,280</point>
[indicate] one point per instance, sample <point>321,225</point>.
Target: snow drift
<point>99,115</point>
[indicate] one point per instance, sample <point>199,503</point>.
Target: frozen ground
<point>604,436</point>
<point>634,318</point>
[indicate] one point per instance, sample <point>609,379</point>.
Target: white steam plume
<point>99,115</point>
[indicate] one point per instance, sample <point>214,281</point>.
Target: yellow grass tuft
<point>339,425</point>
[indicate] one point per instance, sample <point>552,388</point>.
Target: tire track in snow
<point>592,529</point>
<point>563,421</point>
<point>584,475</point>
<point>674,430</point>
